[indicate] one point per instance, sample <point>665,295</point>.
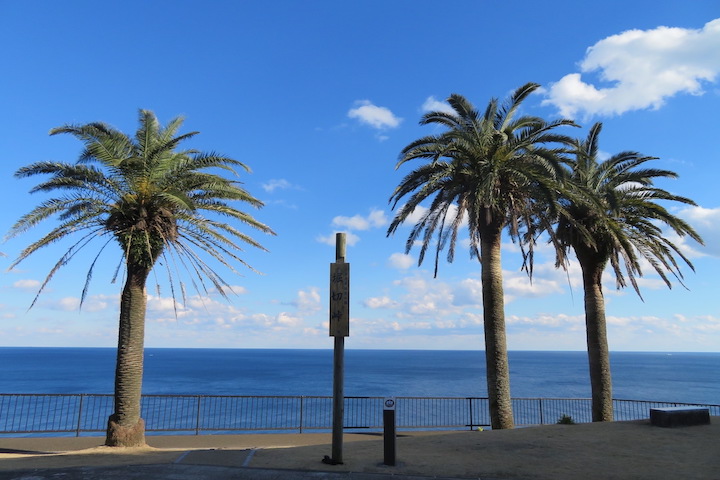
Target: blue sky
<point>318,98</point>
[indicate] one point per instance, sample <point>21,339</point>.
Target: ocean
<point>665,377</point>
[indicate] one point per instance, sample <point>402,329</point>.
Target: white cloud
<point>432,104</point>
<point>206,314</point>
<point>168,305</point>
<point>98,303</point>
<point>468,292</point>
<point>260,322</point>
<point>706,221</point>
<point>671,332</point>
<point>380,302</point>
<point>560,321</point>
<point>518,284</point>
<point>425,297</point>
<point>415,284</point>
<point>276,184</point>
<point>68,303</point>
<point>375,219</point>
<point>308,301</point>
<point>377,117</point>
<point>285,320</point>
<point>93,303</point>
<point>401,261</point>
<point>27,284</point>
<point>547,280</point>
<point>643,67</point>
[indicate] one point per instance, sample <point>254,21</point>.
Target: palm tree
<point>614,217</point>
<point>148,197</point>
<point>488,168</point>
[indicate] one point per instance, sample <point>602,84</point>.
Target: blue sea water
<point>668,377</point>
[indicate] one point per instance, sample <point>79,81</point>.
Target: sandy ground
<point>617,450</point>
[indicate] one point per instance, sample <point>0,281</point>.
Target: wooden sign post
<point>339,328</point>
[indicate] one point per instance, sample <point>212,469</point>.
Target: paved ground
<point>192,472</point>
<point>617,450</point>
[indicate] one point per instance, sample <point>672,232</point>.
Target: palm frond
<point>485,168</point>
<point>147,194</point>
<point>610,209</point>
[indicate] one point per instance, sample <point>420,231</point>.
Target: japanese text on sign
<point>339,299</point>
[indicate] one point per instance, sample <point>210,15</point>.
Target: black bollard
<point>389,435</point>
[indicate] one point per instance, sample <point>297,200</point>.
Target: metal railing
<point>88,413</point>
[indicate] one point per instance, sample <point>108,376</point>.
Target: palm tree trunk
<point>496,357</point>
<point>597,343</point>
<point>125,427</point>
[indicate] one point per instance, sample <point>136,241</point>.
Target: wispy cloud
<point>643,69</point>
<point>276,184</point>
<point>432,104</point>
<point>26,284</point>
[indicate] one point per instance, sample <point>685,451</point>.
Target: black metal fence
<point>87,413</point>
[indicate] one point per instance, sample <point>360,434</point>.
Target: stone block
<point>679,416</point>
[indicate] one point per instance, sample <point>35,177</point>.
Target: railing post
<point>542,419</point>
<point>197,417</point>
<point>302,409</point>
<point>80,409</point>
<point>616,405</point>
<point>471,412</point>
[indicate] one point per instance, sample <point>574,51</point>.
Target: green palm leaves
<point>485,169</point>
<point>152,198</point>
<point>617,203</point>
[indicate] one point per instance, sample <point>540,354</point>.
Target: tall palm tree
<point>614,217</point>
<point>487,168</point>
<point>150,198</point>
